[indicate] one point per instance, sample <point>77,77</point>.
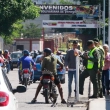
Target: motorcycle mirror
<point>20,89</point>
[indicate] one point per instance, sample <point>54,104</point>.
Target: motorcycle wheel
<point>25,81</point>
<point>46,96</point>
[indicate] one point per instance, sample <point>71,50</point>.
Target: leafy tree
<point>65,2</point>
<point>16,32</point>
<point>32,31</point>
<point>13,10</point>
<point>94,2</point>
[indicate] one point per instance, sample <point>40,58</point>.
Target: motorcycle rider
<point>25,61</point>
<point>1,55</point>
<point>35,55</point>
<point>61,57</point>
<point>49,63</point>
<point>8,60</point>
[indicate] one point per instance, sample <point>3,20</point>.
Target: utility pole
<point>109,26</point>
<point>97,32</point>
<point>99,20</point>
<point>104,21</point>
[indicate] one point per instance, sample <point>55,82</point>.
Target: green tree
<point>13,10</point>
<point>32,31</point>
<point>65,2</point>
<point>16,32</point>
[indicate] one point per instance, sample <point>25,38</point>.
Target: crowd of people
<point>96,63</point>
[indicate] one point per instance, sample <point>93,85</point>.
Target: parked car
<point>7,99</point>
<point>38,73</point>
<point>15,56</point>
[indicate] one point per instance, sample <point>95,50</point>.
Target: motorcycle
<point>25,77</point>
<point>49,88</point>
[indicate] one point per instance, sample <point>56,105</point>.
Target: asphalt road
<point>24,99</point>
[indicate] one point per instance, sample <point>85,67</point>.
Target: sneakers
<point>63,101</point>
<point>33,100</point>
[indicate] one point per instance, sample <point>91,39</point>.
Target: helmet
<point>58,52</point>
<point>6,51</point>
<point>40,52</point>
<point>26,53</point>
<point>35,51</point>
<point>0,51</point>
<point>48,51</point>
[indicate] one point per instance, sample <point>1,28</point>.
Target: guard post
<point>77,78</point>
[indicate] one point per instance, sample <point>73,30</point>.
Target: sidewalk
<point>83,102</point>
<point>99,103</point>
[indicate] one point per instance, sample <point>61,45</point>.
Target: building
<point>38,21</point>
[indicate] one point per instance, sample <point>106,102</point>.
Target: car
<point>15,56</point>
<point>37,69</point>
<point>7,99</point>
<point>38,72</point>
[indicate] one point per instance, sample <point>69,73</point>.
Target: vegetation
<point>32,31</point>
<point>17,29</point>
<point>65,2</point>
<point>12,12</point>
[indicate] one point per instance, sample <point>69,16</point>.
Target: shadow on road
<point>37,103</point>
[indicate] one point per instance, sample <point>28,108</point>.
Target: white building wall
<point>1,43</point>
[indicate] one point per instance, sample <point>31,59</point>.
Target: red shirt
<point>1,60</point>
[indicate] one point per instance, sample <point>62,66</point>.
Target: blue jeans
<point>105,80</point>
<point>70,79</point>
<point>8,67</point>
<point>32,77</point>
<point>19,76</point>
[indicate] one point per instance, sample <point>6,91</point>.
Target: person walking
<point>106,70</point>
<point>70,64</point>
<point>102,56</point>
<point>91,69</point>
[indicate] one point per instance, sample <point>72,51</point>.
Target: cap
<point>75,42</point>
<point>96,40</point>
<point>89,42</point>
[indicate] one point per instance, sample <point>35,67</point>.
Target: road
<point>24,99</point>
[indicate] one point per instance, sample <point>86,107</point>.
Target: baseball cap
<point>96,40</point>
<point>89,42</point>
<point>75,42</point>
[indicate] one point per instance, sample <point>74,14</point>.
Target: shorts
<point>56,80</point>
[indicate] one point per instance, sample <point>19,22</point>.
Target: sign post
<point>77,78</point>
